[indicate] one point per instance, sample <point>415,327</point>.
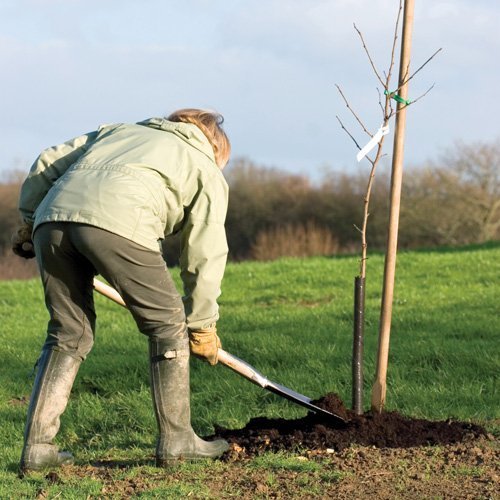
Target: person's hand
<point>22,244</point>
<point>204,344</point>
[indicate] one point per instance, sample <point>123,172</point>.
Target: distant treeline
<point>453,201</point>
<point>272,213</point>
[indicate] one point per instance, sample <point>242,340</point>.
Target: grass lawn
<point>292,320</point>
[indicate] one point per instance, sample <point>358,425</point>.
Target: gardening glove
<point>204,343</point>
<point>22,244</point>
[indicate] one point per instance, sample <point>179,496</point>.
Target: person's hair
<point>210,123</point>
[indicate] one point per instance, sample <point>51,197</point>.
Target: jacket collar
<point>186,131</point>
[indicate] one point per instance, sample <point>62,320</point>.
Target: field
<point>292,320</point>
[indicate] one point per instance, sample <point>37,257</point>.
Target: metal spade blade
<point>250,373</point>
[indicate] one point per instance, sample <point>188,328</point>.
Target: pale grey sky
<point>270,66</point>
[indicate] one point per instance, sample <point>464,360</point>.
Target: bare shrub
<point>260,198</point>
<point>456,201</point>
<point>477,166</point>
<point>338,204</point>
<point>301,240</point>
<point>9,214</point>
<point>13,267</point>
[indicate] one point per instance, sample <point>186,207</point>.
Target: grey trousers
<point>69,255</point>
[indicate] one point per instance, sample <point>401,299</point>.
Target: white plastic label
<point>373,142</point>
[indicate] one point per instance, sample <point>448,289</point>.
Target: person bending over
<point>101,204</point>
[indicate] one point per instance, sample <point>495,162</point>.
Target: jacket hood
<point>186,131</point>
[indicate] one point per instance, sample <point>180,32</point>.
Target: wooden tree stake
<point>379,386</point>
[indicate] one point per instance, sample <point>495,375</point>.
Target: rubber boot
<point>171,400</point>
<point>55,376</point>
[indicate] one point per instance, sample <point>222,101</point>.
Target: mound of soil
<point>313,432</point>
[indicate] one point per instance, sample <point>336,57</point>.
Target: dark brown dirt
<point>383,456</point>
<point>384,430</point>
<point>468,470</point>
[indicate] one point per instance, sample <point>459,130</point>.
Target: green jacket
<point>142,181</point>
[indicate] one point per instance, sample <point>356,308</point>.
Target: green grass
<point>292,320</point>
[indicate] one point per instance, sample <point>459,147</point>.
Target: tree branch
<point>411,102</point>
<point>352,111</point>
<point>423,95</point>
<point>368,54</point>
<point>380,102</point>
<point>393,51</point>
<point>348,133</point>
<point>406,80</point>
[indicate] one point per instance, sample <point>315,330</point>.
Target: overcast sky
<point>269,66</point>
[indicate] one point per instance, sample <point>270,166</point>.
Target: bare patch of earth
<point>386,456</point>
<point>468,470</point>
